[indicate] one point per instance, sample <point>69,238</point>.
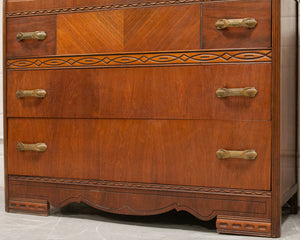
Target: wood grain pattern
<point>162,29</point>
<point>90,32</point>
<point>157,93</point>
<point>142,202</point>
<point>140,59</point>
<point>161,151</point>
<point>31,47</point>
<point>157,29</point>
<point>260,36</point>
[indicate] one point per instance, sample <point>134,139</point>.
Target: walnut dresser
<point>140,107</point>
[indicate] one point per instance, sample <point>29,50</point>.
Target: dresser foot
<point>293,202</point>
<point>28,206</point>
<point>243,226</point>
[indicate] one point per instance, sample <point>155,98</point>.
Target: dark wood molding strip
<point>275,143</point>
<point>140,59</point>
<point>39,12</point>
<point>148,186</point>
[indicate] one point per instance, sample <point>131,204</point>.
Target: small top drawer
<point>234,32</point>
<point>33,46</point>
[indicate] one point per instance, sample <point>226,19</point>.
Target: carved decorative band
<point>102,7</point>
<point>35,206</point>
<point>248,226</point>
<point>148,186</point>
<point>140,59</point>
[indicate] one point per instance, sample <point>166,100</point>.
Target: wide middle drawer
<point>158,92</point>
<point>182,152</point>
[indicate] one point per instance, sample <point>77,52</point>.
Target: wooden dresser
<point>139,107</point>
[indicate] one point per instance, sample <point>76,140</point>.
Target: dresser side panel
<point>288,98</point>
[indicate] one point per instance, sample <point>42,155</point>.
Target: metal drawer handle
<point>38,35</point>
<point>247,154</point>
<point>226,23</point>
<point>38,147</point>
<point>229,92</point>
<point>37,93</point>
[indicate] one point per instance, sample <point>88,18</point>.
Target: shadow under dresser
<point>141,107</point>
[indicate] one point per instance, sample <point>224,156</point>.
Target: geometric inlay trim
<point>28,205</point>
<point>144,186</point>
<point>102,7</point>
<point>248,226</point>
<point>140,59</point>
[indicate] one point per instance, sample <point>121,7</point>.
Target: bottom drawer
<point>181,152</point>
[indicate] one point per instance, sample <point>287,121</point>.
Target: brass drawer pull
<point>226,23</point>
<point>38,35</point>
<point>38,147</point>
<point>37,93</point>
<point>229,92</point>
<point>247,154</point>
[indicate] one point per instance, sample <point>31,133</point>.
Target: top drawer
<point>168,28</point>
<point>31,47</point>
